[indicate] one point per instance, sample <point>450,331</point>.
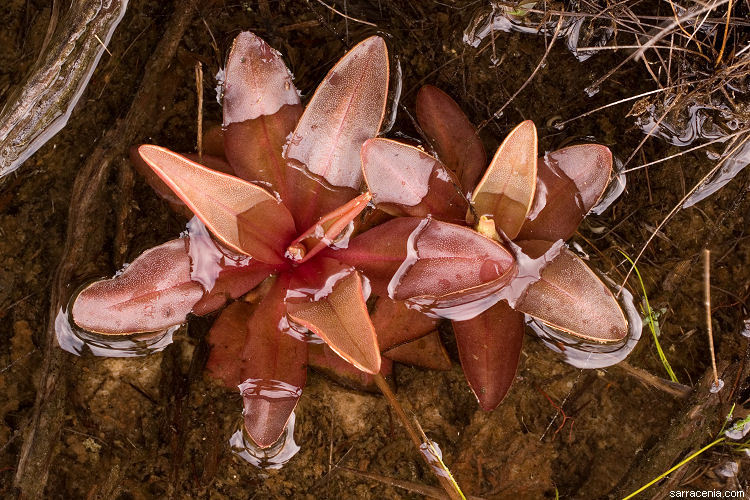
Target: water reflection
<point>80,342</point>
<point>596,32</point>
<point>273,457</point>
<point>583,354</point>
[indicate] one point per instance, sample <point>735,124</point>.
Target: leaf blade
<point>237,212</point>
<point>327,298</point>
<point>405,181</point>
<point>323,152</point>
<point>489,346</point>
<point>570,181</point>
<point>506,191</point>
<point>153,293</point>
<point>451,134</point>
<point>570,297</point>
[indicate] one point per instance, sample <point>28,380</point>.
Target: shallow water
<point>163,429</point>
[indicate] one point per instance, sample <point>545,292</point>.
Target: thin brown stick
<point>707,303</point>
<point>199,90</point>
<point>677,207</point>
<point>528,80</point>
<point>350,18</point>
<point>450,488</point>
<point>671,388</point>
<point>726,31</point>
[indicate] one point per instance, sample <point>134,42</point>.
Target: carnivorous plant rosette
<point>529,204</point>
<point>282,199</point>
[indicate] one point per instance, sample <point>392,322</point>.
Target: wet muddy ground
<point>155,426</point>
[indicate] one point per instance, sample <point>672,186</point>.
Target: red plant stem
<point>449,488</point>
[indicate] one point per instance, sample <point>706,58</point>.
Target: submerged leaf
<point>570,182</point>
<point>506,191</point>
<point>489,346</point>
<point>153,293</point>
<point>405,181</point>
<point>274,371</point>
<point>570,297</point>
<point>227,340</point>
<point>231,283</point>
<point>450,132</point>
<point>327,298</point>
<point>396,324</point>
<point>425,352</point>
<point>323,359</point>
<point>245,217</point>
<point>324,168</point>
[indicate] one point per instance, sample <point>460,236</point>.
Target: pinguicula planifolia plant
<point>529,204</point>
<point>282,200</point>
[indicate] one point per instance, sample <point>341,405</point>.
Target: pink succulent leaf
<point>267,356</point>
<point>261,109</point>
<point>245,217</point>
<point>451,134</point>
<point>323,359</point>
<point>346,110</point>
<point>153,293</point>
<point>506,191</point>
<point>570,297</point>
<point>489,346</point>
<point>396,324</point>
<point>161,188</point>
<point>332,229</point>
<point>425,352</point>
<point>431,264</point>
<point>232,282</point>
<point>257,82</point>
<point>406,181</point>
<point>570,181</point>
<point>328,298</point>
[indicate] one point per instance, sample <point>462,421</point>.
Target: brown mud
<point>155,426</point>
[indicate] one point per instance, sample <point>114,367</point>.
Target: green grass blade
<point>652,322</point>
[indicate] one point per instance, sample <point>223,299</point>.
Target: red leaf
<point>396,324</point>
<point>425,352</point>
<point>231,283</point>
<point>489,346</point>
<point>405,181</point>
<point>435,265</point>
<point>227,340</point>
<point>161,188</point>
<point>245,217</point>
<point>450,132</point>
<point>570,182</point>
<point>506,191</point>
<point>330,230</point>
<point>153,293</point>
<point>213,142</point>
<point>327,298</point>
<point>345,111</point>
<point>570,297</point>
<point>322,358</point>
<point>272,363</point>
